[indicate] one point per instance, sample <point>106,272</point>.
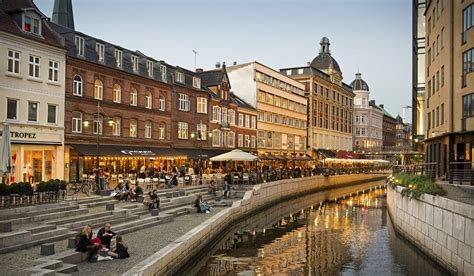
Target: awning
<point>346,154</point>
<point>91,150</point>
<point>197,153</point>
<point>326,153</point>
<point>124,151</point>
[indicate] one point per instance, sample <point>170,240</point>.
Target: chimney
<point>381,105</point>
<point>199,70</point>
<point>234,63</point>
<point>308,63</point>
<point>218,64</point>
<point>223,64</point>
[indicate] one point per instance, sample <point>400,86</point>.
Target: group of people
<point>99,248</point>
<point>125,192</point>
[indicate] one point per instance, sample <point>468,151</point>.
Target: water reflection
<point>352,236</point>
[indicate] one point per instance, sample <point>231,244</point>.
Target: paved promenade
<point>461,193</point>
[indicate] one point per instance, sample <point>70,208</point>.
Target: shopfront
<point>37,154</point>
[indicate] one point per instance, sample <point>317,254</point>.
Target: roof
<point>8,8</point>
<point>385,113</point>
<point>212,77</point>
<point>359,84</point>
<point>240,102</point>
<point>324,61</point>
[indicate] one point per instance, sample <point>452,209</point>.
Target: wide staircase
<point>43,224</point>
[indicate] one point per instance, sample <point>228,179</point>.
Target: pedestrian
<point>227,185</point>
<point>105,235</point>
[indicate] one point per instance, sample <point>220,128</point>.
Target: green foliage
<point>416,185</point>
<point>4,190</point>
<point>52,185</point>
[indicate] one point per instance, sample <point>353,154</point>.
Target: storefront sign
<point>24,135</point>
<point>138,152</point>
<point>32,135</point>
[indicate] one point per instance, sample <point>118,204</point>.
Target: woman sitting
<point>151,200</point>
<point>121,250</point>
<point>123,192</point>
<point>135,192</point>
<point>201,206</point>
<point>84,243</point>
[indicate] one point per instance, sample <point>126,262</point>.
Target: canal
<point>309,236</point>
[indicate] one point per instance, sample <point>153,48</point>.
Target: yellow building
<point>281,107</point>
<point>449,95</point>
<point>330,101</point>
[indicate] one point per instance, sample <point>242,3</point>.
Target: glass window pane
<point>51,114</point>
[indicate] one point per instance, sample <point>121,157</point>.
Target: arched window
<point>76,122</point>
<point>116,126</point>
<point>77,86</point>
<point>148,129</point>
<point>148,100</point>
<point>117,96</point>
<point>133,128</point>
<point>162,103</point>
<point>133,97</point>
<point>162,133</point>
<point>98,89</point>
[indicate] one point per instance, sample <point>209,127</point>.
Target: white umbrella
<point>6,162</point>
<point>235,155</point>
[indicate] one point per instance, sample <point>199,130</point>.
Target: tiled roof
<point>211,77</point>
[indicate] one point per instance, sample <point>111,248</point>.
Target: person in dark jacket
<point>84,245</point>
<point>121,249</point>
<point>105,235</point>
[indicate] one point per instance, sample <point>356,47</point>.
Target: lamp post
<point>198,136</point>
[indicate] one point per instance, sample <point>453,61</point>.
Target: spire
<point>62,13</point>
<point>324,46</point>
<point>358,75</point>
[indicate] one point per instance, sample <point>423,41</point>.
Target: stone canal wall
<point>168,260</point>
<point>440,227</point>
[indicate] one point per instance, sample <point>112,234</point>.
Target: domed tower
<point>361,90</point>
<point>325,62</point>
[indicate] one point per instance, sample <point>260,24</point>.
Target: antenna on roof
<point>195,54</point>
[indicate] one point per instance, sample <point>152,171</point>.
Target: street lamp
<point>198,136</point>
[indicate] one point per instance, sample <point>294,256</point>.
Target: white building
<point>368,118</point>
<point>32,85</point>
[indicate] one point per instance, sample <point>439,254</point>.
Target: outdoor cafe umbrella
<point>235,155</point>
<point>6,162</point>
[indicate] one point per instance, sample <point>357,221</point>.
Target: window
<point>12,109</point>
<point>182,130</point>
<point>149,68</point>
<point>148,100</point>
<point>76,122</point>
<point>362,131</point>
<point>80,46</point>
<point>134,97</point>
<point>468,105</point>
<point>34,67</point>
<point>254,122</point>
<point>133,128</point>
<point>442,76</point>
<point>224,115</point>
<point>231,118</point>
<point>247,121</point>
<point>148,129</point>
<point>98,89</point>
<point>201,105</point>
<point>99,48</point>
<point>216,113</point>
<point>438,45</point>
<point>196,82</point>
<point>437,116</point>
<point>216,138</point>
<point>252,141</point>
<point>247,141</point>
<point>13,62</point>
<point>183,102</point>
<point>163,72</point>
<point>241,120</point>
<point>33,111</point>
<point>97,126</point>
<point>261,96</point>
<point>52,114</point>
<point>77,86</point>
<point>240,142</point>
<point>442,38</point>
<point>442,114</point>
<point>53,71</point>
<point>437,81</point>
<point>162,132</point>
<point>429,120</point>
<point>31,25</point>
<point>201,130</point>
<point>162,103</point>
<point>231,139</point>
<point>468,17</point>
<point>468,65</point>
<point>117,96</point>
<point>116,126</point>
<point>118,54</point>
<point>135,64</point>
<point>179,77</point>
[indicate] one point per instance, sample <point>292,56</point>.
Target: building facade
<point>388,130</point>
<point>403,135</point>
<point>32,84</point>
<point>330,101</point>
<point>449,94</point>
<point>368,118</point>
<point>281,106</point>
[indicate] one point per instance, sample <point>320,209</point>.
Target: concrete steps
<point>47,234</point>
<point>76,218</point>
<point>28,210</point>
<point>49,216</point>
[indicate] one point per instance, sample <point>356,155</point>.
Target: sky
<point>370,36</point>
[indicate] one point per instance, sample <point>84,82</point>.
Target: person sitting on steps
<point>121,249</point>
<point>151,200</point>
<point>105,235</point>
<point>201,206</point>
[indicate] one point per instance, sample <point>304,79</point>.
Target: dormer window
<point>118,57</point>
<point>196,82</point>
<point>149,68</point>
<point>31,25</point>
<point>163,72</point>
<point>100,51</point>
<point>179,77</point>
<point>135,64</point>
<point>80,46</point>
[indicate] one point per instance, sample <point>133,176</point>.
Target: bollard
<point>154,212</point>
<point>47,249</point>
<point>110,206</point>
<point>5,226</point>
<point>71,243</point>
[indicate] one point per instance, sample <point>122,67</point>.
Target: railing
<point>426,169</point>
<point>461,172</point>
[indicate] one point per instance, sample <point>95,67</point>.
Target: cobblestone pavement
<point>460,193</point>
<point>145,243</point>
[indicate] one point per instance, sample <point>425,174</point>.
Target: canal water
<point>352,236</point>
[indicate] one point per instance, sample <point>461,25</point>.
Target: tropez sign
<point>23,135</point>
<point>137,152</point>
